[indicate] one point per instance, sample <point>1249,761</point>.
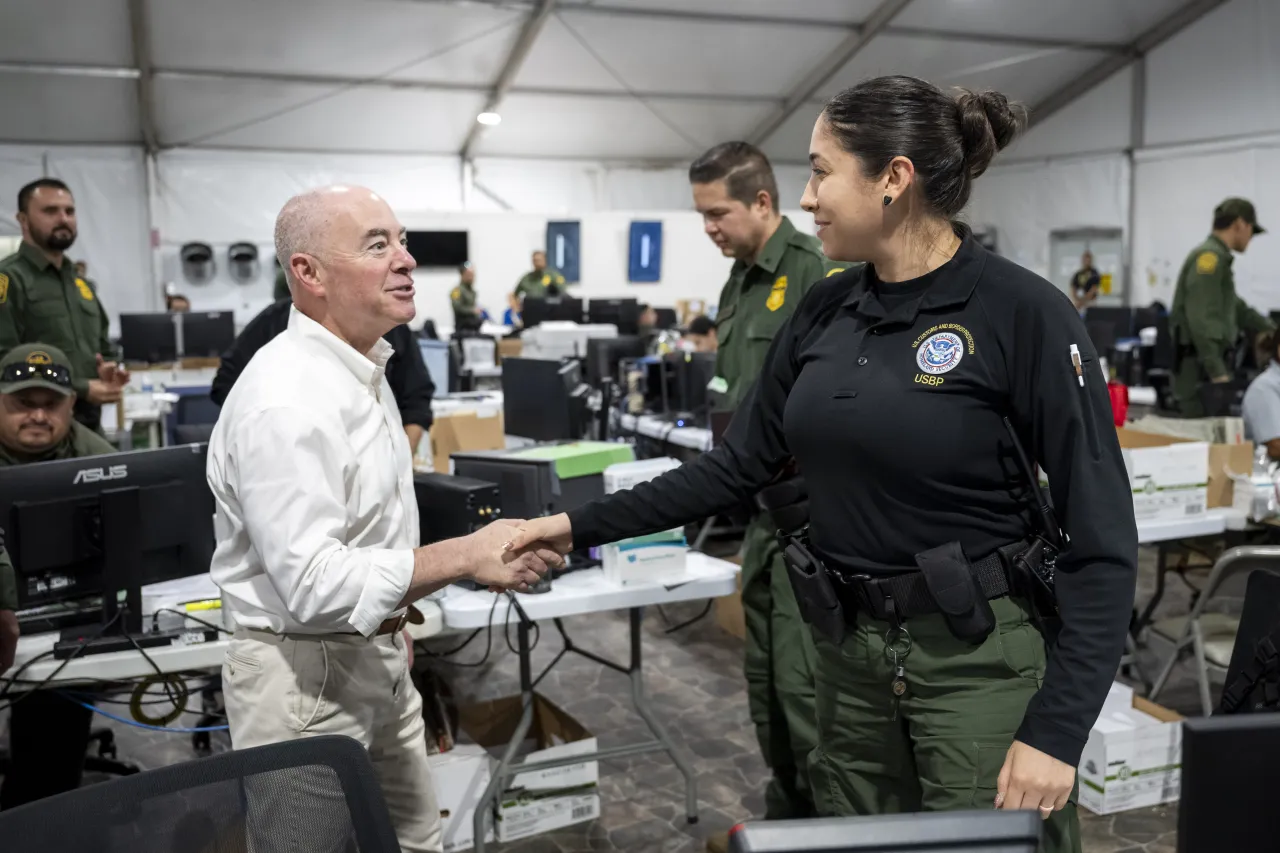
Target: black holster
<point>1031,577</point>
<point>819,605</point>
<point>954,587</point>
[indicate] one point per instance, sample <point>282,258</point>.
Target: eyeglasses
<point>55,373</point>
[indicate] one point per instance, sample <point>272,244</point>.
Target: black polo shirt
<point>894,414</point>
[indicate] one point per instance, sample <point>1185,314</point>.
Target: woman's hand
<point>553,530</point>
<point>1030,779</point>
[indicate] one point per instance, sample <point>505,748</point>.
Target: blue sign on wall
<point>563,240</point>
<point>645,262</point>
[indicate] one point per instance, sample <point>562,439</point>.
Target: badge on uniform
<point>86,292</point>
<point>546,280</point>
<point>778,295</point>
<point>940,353</point>
<point>457,291</point>
<point>4,288</point>
<point>1206,263</point>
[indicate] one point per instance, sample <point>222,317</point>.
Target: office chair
<point>316,794</point>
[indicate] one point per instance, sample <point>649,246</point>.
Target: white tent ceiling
<point>639,80</point>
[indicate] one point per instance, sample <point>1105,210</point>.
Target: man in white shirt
<point>317,523</point>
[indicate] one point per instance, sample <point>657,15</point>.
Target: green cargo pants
<point>779,667</point>
<point>954,724</point>
<point>1187,379</point>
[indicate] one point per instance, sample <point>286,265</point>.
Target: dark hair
<point>24,194</point>
<point>951,140</point>
<point>1224,221</point>
<point>701,325</point>
<point>743,168</point>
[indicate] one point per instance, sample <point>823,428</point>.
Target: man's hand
<point>100,392</point>
<point>8,639</point>
<point>414,432</point>
<point>553,531</point>
<point>112,373</point>
<point>1030,779</point>
<point>492,560</point>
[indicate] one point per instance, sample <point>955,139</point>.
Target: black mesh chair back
<point>315,795</point>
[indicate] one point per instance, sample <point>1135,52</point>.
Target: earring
<point>887,201</point>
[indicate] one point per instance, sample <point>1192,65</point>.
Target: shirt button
<point>862,360</point>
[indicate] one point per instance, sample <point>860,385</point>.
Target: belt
<point>906,595</point>
<point>394,625</point>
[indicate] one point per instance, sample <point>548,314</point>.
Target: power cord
<point>84,644</point>
<point>524,617</point>
<point>488,644</point>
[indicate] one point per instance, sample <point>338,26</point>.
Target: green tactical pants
<point>1186,387</point>
<point>954,724</point>
<point>779,667</point>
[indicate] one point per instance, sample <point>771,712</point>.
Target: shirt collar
<point>952,286</point>
<point>771,255</point>
<point>38,258</point>
<point>1226,250</point>
<point>368,369</point>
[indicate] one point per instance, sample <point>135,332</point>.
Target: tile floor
<point>694,679</point>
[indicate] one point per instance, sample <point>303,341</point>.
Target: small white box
<point>524,818</point>
<point>460,777</point>
<point>1133,758</point>
<point>657,558</point>
<point>1169,477</point>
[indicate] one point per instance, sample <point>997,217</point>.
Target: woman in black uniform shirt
<point>889,386</point>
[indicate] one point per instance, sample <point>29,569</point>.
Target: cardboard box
<point>464,431</point>
<point>509,348</point>
<point>1228,451</point>
<point>687,309</point>
<point>1134,756</point>
<point>460,777</point>
<point>1227,463</point>
<point>543,800</point>
<point>1169,477</point>
<point>729,613</point>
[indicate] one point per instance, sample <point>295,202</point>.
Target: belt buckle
<point>400,623</point>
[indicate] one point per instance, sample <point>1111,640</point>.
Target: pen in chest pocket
<point>1075,362</point>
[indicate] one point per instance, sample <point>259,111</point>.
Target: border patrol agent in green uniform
<point>540,279</point>
<point>42,298</point>
<point>1207,314</point>
<point>48,735</point>
<point>775,266</point>
<point>463,299</point>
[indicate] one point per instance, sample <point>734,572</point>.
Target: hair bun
<point>988,123</point>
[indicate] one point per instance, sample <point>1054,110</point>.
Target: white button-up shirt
<point>312,480</point>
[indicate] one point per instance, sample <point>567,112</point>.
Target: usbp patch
<point>4,288</point>
<point>86,292</point>
<point>778,295</point>
<point>1207,263</point>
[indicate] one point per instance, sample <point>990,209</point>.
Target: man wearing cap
<point>42,298</point>
<point>48,735</point>
<point>1207,314</point>
<point>466,314</point>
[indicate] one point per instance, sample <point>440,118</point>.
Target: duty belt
<point>905,595</point>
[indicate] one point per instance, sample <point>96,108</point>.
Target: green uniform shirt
<point>52,306</point>
<point>1207,314</point>
<point>755,302</point>
<point>463,298</point>
<point>534,284</point>
<point>80,441</point>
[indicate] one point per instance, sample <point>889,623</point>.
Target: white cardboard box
<point>1169,477</point>
<point>1134,756</point>
<point>460,777</point>
<point>657,558</point>
<point>542,800</point>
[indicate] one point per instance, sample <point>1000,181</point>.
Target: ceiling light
<point>489,119</point>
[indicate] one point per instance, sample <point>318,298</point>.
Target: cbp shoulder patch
<point>457,293</point>
<point>4,288</point>
<point>1206,263</point>
<point>86,292</point>
<point>778,295</point>
<point>546,279</point>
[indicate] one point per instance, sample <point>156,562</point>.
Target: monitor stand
<point>121,628</point>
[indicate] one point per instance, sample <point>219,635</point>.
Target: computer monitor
<point>542,399</point>
<point>207,334</point>
<point>694,371</point>
<point>1120,319</point>
<point>435,355</point>
<point>149,337</point>
<point>534,311</point>
<point>605,355</point>
<point>1102,334</point>
<point>85,530</point>
<point>623,313</point>
<point>1228,793</point>
<point>984,831</point>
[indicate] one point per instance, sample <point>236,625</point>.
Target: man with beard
<point>43,299</point>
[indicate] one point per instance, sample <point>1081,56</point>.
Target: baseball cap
<point>35,366</point>
<point>1239,208</point>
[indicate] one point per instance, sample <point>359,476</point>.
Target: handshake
<point>514,553</point>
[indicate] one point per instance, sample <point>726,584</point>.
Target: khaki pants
<point>278,688</point>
